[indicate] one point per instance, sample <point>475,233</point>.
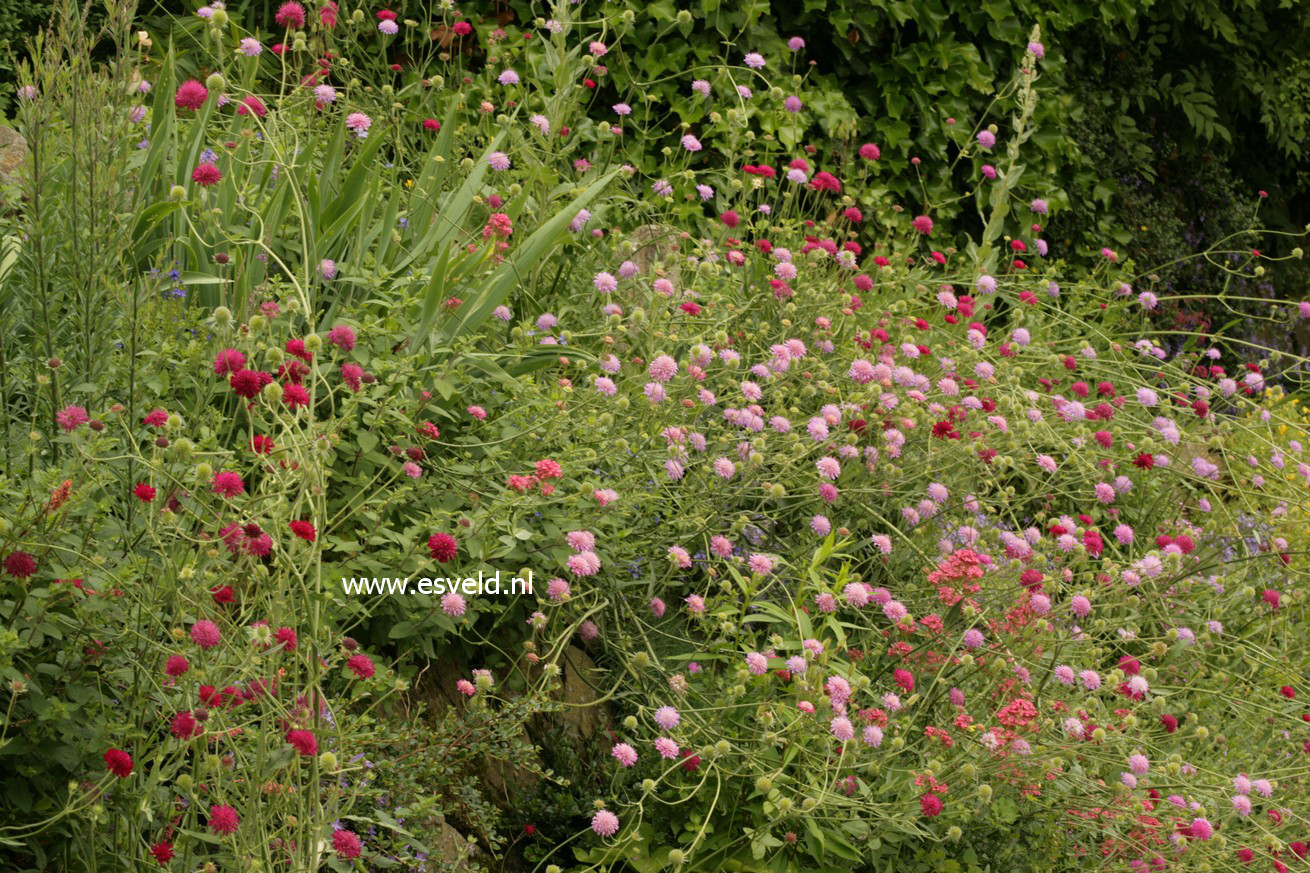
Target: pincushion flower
<point>206,175</point>
<point>605,823</point>
<point>119,763</point>
<point>442,547</point>
<point>290,15</point>
<point>361,665</point>
<point>70,418</point>
<point>359,123</point>
<point>347,845</point>
<point>223,819</point>
<point>205,634</point>
<point>191,95</point>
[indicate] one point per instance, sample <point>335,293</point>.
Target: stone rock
<point>452,847</point>
<point>582,717</point>
<point>13,154</point>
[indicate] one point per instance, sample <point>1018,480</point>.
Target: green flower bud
<point>215,82</point>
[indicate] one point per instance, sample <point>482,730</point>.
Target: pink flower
<point>453,604</point>
<point>605,823</point>
<point>70,418</point>
<point>290,16</point>
<point>585,563</point>
<point>223,819</point>
<point>346,845</point>
<point>362,666</point>
<point>359,123</point>
<point>191,95</point>
<point>228,484</point>
<point>342,336</point>
<point>624,754</point>
<point>667,718</point>
<point>205,634</point>
<point>842,728</point>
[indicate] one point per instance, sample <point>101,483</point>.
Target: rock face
<point>452,847</point>
<point>581,716</point>
<point>13,154</point>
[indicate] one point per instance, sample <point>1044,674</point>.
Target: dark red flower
<point>144,492</point>
<point>248,383</point>
<point>303,742</point>
<point>304,530</point>
<point>119,763</point>
<point>442,547</point>
<point>931,805</point>
<point>223,819</point>
<point>162,852</point>
<point>206,175</point>
<point>20,564</point>
<point>361,666</point>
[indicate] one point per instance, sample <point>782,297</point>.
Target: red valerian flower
<point>304,530</point>
<point>119,763</point>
